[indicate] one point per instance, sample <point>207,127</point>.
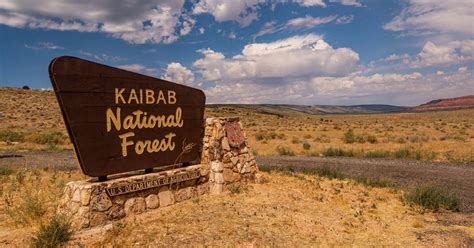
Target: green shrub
<point>433,198</point>
<point>269,136</point>
<point>401,140</point>
<point>237,188</point>
<point>259,136</point>
<point>55,233</point>
<point>51,147</point>
<point>306,145</point>
<point>272,135</point>
<point>459,138</point>
<point>413,153</point>
<point>323,139</point>
<point>338,152</point>
<point>281,136</point>
<point>372,139</point>
<point>255,152</point>
<point>295,140</point>
<point>402,153</point>
<point>377,154</point>
<point>326,171</point>
<point>12,136</point>
<point>33,206</point>
<point>267,168</point>
<point>418,139</point>
<point>417,154</point>
<point>285,151</point>
<point>5,171</point>
<point>29,209</point>
<point>375,182</point>
<point>359,139</point>
<point>48,138</point>
<point>349,137</point>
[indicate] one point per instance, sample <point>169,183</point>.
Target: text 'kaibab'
<point>139,119</point>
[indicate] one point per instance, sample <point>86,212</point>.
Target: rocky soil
<point>457,177</point>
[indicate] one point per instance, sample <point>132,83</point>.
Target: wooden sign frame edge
<point>63,113</point>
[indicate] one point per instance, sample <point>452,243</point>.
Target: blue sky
<point>249,51</point>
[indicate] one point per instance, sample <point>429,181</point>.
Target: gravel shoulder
<point>406,173</point>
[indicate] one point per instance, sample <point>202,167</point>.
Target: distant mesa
<point>280,110</point>
<point>450,103</point>
<point>290,110</point>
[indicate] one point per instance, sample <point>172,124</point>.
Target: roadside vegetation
<point>322,195</point>
<point>49,140</point>
<point>425,196</point>
<point>330,173</point>
<point>406,153</point>
<point>433,198</point>
<point>29,199</point>
<point>53,234</point>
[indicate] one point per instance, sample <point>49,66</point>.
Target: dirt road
<point>406,173</point>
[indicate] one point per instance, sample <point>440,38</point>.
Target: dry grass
<point>29,196</point>
<point>440,136</point>
<point>288,209</point>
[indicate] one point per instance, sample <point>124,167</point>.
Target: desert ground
<point>327,180</point>
<point>31,120</point>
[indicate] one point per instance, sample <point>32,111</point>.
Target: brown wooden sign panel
<point>122,121</point>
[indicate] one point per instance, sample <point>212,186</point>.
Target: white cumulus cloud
<point>391,88</point>
<point>310,3</point>
<point>297,56</point>
<point>302,23</point>
<point>102,57</point>
<point>355,3</point>
<point>441,54</point>
<point>155,21</point>
<point>309,21</point>
<point>177,73</point>
<point>44,45</point>
<point>139,69</point>
<point>439,16</point>
<point>242,11</point>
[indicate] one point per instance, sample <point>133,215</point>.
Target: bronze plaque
<point>234,133</point>
<point>121,121</point>
<point>125,188</point>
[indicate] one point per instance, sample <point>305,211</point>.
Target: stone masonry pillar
<point>228,165</point>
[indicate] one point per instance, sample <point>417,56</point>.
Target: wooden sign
<point>122,121</point>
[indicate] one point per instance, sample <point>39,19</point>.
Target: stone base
<point>90,203</point>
